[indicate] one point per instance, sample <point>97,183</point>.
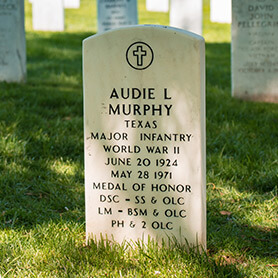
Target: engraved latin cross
<point>140,53</point>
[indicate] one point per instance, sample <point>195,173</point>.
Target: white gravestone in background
<point>68,4</point>
<point>48,15</point>
<point>221,11</point>
<point>255,50</point>
<point>116,13</point>
<point>71,4</point>
<point>187,15</point>
<point>144,105</point>
<point>157,5</point>
<point>12,41</point>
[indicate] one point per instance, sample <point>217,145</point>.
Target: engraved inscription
<point>254,49</point>
<point>116,13</point>
<point>144,135</point>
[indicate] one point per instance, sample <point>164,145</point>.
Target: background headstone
<point>221,11</point>
<point>144,98</point>
<point>12,41</point>
<point>112,14</point>
<point>255,50</point>
<point>187,15</point>
<point>71,4</point>
<point>157,5</point>
<point>48,15</point>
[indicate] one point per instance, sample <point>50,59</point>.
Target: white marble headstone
<point>71,4</point>
<point>116,13</point>
<point>187,15</point>
<point>157,5</point>
<point>48,15</point>
<point>254,50</point>
<point>144,105</point>
<point>12,41</point>
<point>221,11</point>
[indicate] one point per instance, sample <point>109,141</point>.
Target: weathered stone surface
<point>116,13</point>
<point>144,105</point>
<point>12,41</point>
<point>254,50</point>
<point>48,15</point>
<point>187,15</point>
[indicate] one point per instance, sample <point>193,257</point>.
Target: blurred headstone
<point>12,41</point>
<point>157,5</point>
<point>255,50</point>
<point>187,15</point>
<point>71,4</point>
<point>116,13</point>
<point>221,11</point>
<point>48,15</point>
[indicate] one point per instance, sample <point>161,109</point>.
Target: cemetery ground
<point>42,231</point>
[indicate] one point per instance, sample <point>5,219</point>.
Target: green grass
<point>42,231</point>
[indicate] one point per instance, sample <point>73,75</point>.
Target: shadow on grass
<point>51,55</point>
<point>161,258</point>
<point>42,135</point>
<point>41,126</point>
<point>242,154</point>
<point>42,153</point>
<point>241,136</point>
<point>236,235</point>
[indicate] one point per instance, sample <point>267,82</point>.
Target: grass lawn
<point>42,203</point>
